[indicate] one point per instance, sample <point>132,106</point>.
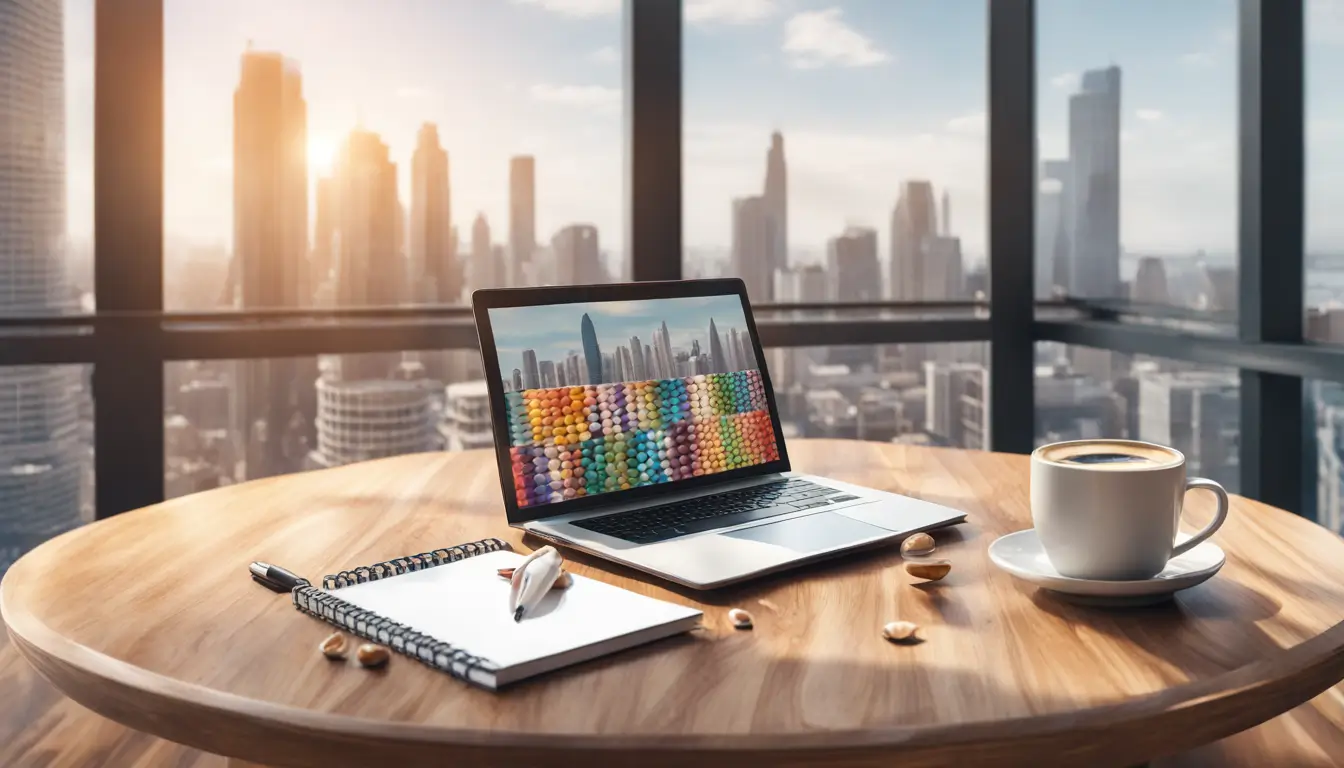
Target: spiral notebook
<point>449,609</point>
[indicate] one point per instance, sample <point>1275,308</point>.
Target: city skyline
<point>1179,121</point>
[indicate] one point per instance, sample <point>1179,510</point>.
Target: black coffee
<point>1107,458</point>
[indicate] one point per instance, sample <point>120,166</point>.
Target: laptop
<point>637,423</point>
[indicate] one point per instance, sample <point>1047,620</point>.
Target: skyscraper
<point>941,269</point>
<point>852,260</point>
<point>946,230</point>
<point>640,371</point>
<point>663,349</point>
<point>42,459</point>
<point>482,259</point>
<point>913,220</point>
<point>1150,283</point>
<point>754,246</point>
<point>433,273</point>
<point>1053,227</point>
<point>776,211</point>
<point>531,374</point>
<point>577,258</point>
<point>324,228</point>
<point>1094,189</point>
<point>522,216</point>
<point>270,243</point>
<point>592,353</point>
<point>369,271</point>
<point>718,361</point>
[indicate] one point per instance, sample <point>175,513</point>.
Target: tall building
<point>369,271</point>
<point>1150,282</point>
<point>810,285</point>
<point>914,220</point>
<point>1197,413</point>
<point>482,257</point>
<point>1094,188</point>
<point>361,420</point>
<point>776,200</point>
<point>942,273</point>
<point>1053,230</point>
<point>592,353</point>
<point>323,258</point>
<point>433,271</point>
<point>754,246</point>
<point>718,362</point>
<point>640,369</point>
<point>946,229</point>
<point>852,260</point>
<point>577,258</point>
<point>957,403</point>
<point>41,452</point>
<point>531,373</point>
<point>466,416</point>
<point>522,217</point>
<point>270,245</point>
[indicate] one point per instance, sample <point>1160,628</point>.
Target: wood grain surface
<point>149,619</point>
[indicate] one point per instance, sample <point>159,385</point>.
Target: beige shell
<point>918,545</point>
<point>932,570</point>
<point>334,646</point>
<point>371,655</point>
<point>900,631</point>
<point>740,618</point>
<point>563,581</point>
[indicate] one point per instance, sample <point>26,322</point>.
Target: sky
<point>868,93</point>
<point>553,331</point>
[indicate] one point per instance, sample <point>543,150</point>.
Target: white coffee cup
<point>1110,509</point>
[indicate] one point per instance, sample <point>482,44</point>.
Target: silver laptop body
<point>701,530</point>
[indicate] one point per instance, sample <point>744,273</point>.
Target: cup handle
<point>1218,519</point>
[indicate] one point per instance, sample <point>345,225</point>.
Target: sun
<point>321,154</point>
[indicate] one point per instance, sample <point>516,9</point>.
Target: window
<point>923,394</point>
<point>1324,265</point>
<point>1325,406</point>
<point>1082,392</point>
<point>1137,116</point>
<point>837,152</point>
<point>342,154</point>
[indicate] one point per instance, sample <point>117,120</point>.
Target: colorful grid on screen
<point>570,442</point>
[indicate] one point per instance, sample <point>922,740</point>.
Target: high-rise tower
<point>913,221</point>
<point>522,216</point>
<point>433,271</point>
<point>753,246</point>
<point>1094,189</point>
<point>592,353</point>
<point>41,458</point>
<point>776,212</point>
<point>270,244</point>
<point>482,259</point>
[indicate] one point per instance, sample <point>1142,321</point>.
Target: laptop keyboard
<point>706,513</point>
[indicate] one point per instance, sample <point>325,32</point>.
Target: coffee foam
<point>1152,456</point>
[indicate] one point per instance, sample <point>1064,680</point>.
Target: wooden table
<point>149,619</point>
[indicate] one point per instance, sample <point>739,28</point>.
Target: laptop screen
<point>607,396</point>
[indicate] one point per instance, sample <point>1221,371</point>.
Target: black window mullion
<point>1012,216</point>
<point>653,30</point>
<point>1271,235</point>
<point>128,254</point>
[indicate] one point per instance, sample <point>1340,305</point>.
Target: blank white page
<point>466,604</point>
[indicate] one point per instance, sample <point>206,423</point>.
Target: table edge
<point>1196,713</point>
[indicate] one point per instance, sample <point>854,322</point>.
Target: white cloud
<point>972,124</point>
<point>595,96</point>
<point>578,8</point>
<point>1148,115</point>
<point>729,11</point>
<point>1065,81</point>
<point>817,39</point>
<point>607,54</point>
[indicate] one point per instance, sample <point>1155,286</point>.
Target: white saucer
<point>1022,555</point>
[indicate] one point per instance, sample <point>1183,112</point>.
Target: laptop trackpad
<point>814,533</point>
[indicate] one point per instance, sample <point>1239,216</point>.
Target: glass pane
<point>827,149</point>
<point>1083,392</point>
<point>929,394</point>
<point>46,157</point>
<point>1325,399</point>
<point>1137,117</point>
<point>46,455</point>
<point>336,154</point>
<point>1324,265</point>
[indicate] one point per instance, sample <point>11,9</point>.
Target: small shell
<point>932,570</point>
<point>740,618</point>
<point>371,655</point>
<point>900,631</point>
<point>334,646</point>
<point>918,545</point>
<point>505,573</point>
<point>563,581</point>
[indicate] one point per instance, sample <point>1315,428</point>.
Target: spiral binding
<point>399,637</point>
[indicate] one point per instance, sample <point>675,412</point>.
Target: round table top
<point>149,618</point>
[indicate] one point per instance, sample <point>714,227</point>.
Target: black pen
<point>274,577</point>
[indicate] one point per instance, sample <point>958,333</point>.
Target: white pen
<point>533,579</point>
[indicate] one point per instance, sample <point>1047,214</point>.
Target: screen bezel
<point>486,299</point>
